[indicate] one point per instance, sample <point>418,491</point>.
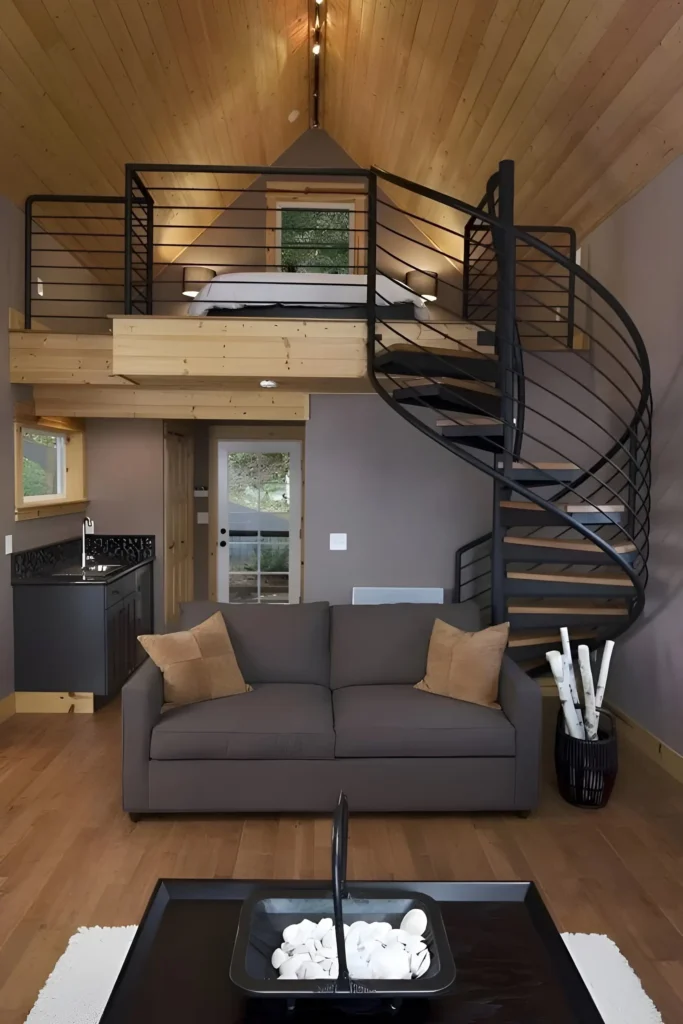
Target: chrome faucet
<point>88,527</point>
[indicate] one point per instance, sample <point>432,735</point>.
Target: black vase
<point>586,769</point>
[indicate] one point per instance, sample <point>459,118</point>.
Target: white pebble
<point>328,964</point>
<point>334,969</point>
<point>347,929</point>
<point>288,971</point>
<point>390,962</point>
<point>380,930</point>
<point>291,933</point>
<point>357,966</point>
<point>310,972</point>
<point>415,922</point>
<point>278,958</point>
<point>419,963</point>
<point>396,935</point>
<point>415,944</point>
<point>306,930</point>
<point>323,926</point>
<point>287,947</point>
<point>329,940</point>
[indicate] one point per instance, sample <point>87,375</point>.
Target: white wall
<point>638,254</point>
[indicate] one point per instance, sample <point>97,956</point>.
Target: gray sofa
<point>333,707</point>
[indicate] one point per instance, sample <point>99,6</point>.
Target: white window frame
<point>284,205</point>
<point>295,452</point>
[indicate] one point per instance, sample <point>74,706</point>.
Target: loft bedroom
<point>207,275</point>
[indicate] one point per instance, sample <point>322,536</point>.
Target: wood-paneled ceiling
<point>585,95</point>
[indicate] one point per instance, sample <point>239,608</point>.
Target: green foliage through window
<point>315,241</point>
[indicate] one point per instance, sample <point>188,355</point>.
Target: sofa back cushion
<point>286,643</point>
<point>388,643</point>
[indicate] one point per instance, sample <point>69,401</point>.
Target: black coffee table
<point>512,964</point>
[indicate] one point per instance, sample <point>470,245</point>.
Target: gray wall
<point>32,533</point>
<point>126,484</point>
<point>636,253</point>
<point>405,502</point>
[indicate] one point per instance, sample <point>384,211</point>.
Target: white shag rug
<point>78,988</point>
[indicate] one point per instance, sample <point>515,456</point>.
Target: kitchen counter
<point>53,575</point>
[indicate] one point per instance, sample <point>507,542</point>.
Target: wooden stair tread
<point>411,381</point>
<point>467,419</point>
<point>531,506</point>
<point>542,606</point>
<point>599,579</point>
<point>544,465</point>
<point>521,639</point>
<point>451,353</point>
<point>567,545</point>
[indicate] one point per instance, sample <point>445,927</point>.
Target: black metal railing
<point>74,261</point>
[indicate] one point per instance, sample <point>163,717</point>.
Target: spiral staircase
<point>540,380</point>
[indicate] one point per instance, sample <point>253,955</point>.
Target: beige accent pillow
<point>198,664</point>
<point>464,665</point>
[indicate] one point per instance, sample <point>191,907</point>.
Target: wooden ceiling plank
<point>651,30</point>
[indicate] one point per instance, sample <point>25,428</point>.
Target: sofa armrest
<point>141,701</point>
<point>520,698</point>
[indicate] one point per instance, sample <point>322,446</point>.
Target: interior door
<point>259,522</point>
<point>178,521</point>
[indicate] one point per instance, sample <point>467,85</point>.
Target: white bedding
<point>234,291</point>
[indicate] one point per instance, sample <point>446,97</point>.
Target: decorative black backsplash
<point>125,548</point>
<point>38,560</point>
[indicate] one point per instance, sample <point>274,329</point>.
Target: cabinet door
<point>122,644</point>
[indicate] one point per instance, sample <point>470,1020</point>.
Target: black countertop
<point>52,577</point>
<point>42,566</point>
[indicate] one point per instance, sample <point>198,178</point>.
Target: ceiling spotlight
<point>316,48</point>
<point>319,2</point>
<point>194,279</point>
<point>268,384</point>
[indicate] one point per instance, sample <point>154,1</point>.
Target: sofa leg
<point>134,817</point>
<point>523,814</point>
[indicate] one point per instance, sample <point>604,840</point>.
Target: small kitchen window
<point>49,470</point>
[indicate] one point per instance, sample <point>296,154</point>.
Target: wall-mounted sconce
<point>424,282</point>
<point>194,279</point>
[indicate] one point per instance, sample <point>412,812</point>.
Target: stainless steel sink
<point>90,572</point>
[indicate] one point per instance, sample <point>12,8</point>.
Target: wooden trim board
<point>7,707</point>
<point>57,702</point>
<point>631,731</point>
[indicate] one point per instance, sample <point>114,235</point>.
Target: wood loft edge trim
<point>649,744</point>
<point>54,703</point>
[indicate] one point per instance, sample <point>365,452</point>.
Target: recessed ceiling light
<point>190,293</point>
<point>268,384</point>
<point>293,116</point>
<point>316,48</point>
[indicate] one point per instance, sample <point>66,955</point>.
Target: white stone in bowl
<point>380,930</point>
<point>310,972</point>
<point>415,922</point>
<point>357,965</point>
<point>415,944</point>
<point>396,935</point>
<point>334,969</point>
<point>389,963</point>
<point>287,947</point>
<point>291,934</point>
<point>329,940</point>
<point>323,926</point>
<point>419,963</point>
<point>306,930</point>
<point>288,971</point>
<point>278,958</point>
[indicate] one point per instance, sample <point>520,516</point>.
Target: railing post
<point>128,243</point>
<point>506,326</point>
<point>28,262</point>
<point>371,267</point>
<point>466,270</point>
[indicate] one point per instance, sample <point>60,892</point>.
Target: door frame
<point>245,432</point>
<point>184,466</point>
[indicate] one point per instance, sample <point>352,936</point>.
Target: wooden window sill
<point>45,509</point>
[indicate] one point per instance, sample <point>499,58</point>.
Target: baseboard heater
<point>397,595</point>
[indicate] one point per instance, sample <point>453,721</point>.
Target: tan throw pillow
<point>463,665</point>
<point>198,664</point>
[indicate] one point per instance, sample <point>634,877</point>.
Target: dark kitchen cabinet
<point>81,637</point>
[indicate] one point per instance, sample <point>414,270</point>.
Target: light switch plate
<point>202,518</point>
<point>8,544</point>
<point>337,542</point>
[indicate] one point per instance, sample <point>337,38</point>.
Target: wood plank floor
<point>69,856</point>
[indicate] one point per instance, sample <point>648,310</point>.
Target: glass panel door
<point>259,522</point>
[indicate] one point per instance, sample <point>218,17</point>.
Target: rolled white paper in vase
<point>602,675</point>
<point>569,663</point>
<point>571,716</point>
<point>590,718</point>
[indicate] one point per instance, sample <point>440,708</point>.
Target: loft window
<point>43,464</point>
<point>315,238</point>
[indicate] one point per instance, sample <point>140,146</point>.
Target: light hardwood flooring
<point>69,856</point>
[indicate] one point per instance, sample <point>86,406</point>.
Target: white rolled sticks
<point>572,715</point>
<point>590,716</point>
<point>569,668</point>
<point>602,675</point>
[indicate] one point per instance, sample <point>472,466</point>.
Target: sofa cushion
<point>400,721</point>
<point>274,721</point>
<point>465,666</point>
<point>388,643</point>
<point>286,643</point>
